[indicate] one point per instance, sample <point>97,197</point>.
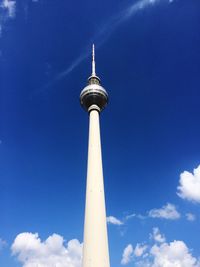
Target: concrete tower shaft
<point>95,245</point>
<point>95,248</point>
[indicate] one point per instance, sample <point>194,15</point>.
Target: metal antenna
<point>93,61</point>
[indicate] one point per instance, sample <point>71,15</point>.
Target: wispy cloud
<point>9,6</point>
<point>114,220</point>
<point>134,215</point>
<point>110,25</point>
<point>168,212</point>
<point>67,71</point>
<point>7,11</point>
<point>190,217</point>
<point>105,31</point>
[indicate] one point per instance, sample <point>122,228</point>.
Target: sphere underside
<point>94,95</point>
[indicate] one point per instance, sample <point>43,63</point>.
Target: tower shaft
<point>95,247</point>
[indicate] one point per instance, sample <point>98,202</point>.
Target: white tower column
<point>94,99</point>
<point>95,248</point>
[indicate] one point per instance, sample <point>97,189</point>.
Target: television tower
<point>93,99</point>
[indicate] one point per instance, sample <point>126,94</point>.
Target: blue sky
<point>148,58</point>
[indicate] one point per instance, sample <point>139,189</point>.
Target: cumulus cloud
<point>161,253</point>
<point>189,185</point>
<point>168,212</point>
<point>114,220</point>
<point>32,252</point>
<point>127,254</point>
<point>157,236</point>
<point>173,254</point>
<point>190,217</point>
<point>139,250</point>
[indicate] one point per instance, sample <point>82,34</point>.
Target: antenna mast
<point>93,61</point>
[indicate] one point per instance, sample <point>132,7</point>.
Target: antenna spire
<point>93,61</point>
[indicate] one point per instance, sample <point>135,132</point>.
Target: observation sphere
<point>93,96</point>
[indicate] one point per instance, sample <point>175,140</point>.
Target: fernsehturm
<point>93,99</point>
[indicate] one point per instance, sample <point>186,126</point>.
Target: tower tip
<point>93,61</point>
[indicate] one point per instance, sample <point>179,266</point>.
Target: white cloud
<point>107,29</point>
<point>190,217</point>
<point>7,11</point>
<point>168,212</point>
<point>127,255</point>
<point>140,5</point>
<point>133,215</point>
<point>10,6</point>
<point>157,236</point>
<point>139,250</point>
<point>174,254</point>
<point>189,185</point>
<point>130,216</point>
<point>114,220</point>
<point>162,254</point>
<point>32,252</point>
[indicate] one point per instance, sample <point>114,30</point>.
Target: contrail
<point>105,31</point>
